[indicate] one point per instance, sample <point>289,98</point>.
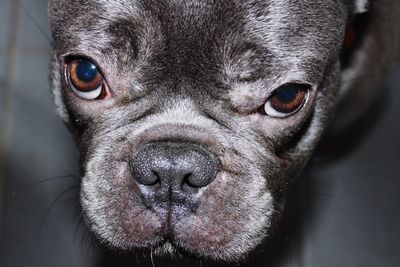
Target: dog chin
<point>172,247</point>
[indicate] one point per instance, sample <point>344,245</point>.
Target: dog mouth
<point>215,228</point>
<point>176,197</point>
<point>172,240</point>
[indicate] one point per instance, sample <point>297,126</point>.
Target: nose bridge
<point>183,111</point>
<point>183,92</point>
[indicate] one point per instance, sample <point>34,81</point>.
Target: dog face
<point>193,116</point>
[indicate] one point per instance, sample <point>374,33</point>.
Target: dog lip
<point>168,232</point>
<point>170,201</point>
<point>169,235</point>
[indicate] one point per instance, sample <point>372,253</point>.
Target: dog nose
<point>166,168</point>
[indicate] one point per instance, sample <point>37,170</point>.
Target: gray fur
<point>196,71</point>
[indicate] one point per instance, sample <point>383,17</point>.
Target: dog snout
<point>173,171</point>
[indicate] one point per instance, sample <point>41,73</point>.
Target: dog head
<point>192,117</point>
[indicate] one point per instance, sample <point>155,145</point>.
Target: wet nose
<point>180,169</point>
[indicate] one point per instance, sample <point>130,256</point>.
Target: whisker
<point>137,259</point>
<point>64,170</point>
<point>88,239</point>
<point>84,237</point>
<point>77,227</point>
<point>55,178</point>
<point>151,257</point>
<point>92,244</point>
<point>53,204</point>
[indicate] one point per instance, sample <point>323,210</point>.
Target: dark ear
<point>361,6</point>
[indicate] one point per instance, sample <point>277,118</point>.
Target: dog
<point>193,117</point>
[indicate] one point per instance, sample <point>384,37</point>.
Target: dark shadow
<point>339,146</point>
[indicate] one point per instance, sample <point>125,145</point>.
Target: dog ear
<point>361,6</point>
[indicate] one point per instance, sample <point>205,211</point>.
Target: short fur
<point>196,71</point>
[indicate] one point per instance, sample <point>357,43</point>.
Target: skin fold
<point>198,72</point>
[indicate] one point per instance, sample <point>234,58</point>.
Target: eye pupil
<point>86,71</point>
<point>286,94</point>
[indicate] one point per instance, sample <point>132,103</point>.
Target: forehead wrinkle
<point>160,30</point>
<point>274,42</point>
<point>293,51</point>
<point>296,31</point>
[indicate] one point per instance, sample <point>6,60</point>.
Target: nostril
<point>197,180</point>
<point>182,167</point>
<point>142,174</point>
<point>187,184</point>
<point>155,179</point>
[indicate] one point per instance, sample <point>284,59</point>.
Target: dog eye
<point>286,100</point>
<point>85,79</point>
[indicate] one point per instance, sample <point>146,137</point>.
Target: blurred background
<point>343,211</point>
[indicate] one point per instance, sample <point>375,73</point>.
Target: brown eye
<point>85,79</point>
<point>286,100</point>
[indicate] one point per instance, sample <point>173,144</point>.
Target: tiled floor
<point>344,213</point>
